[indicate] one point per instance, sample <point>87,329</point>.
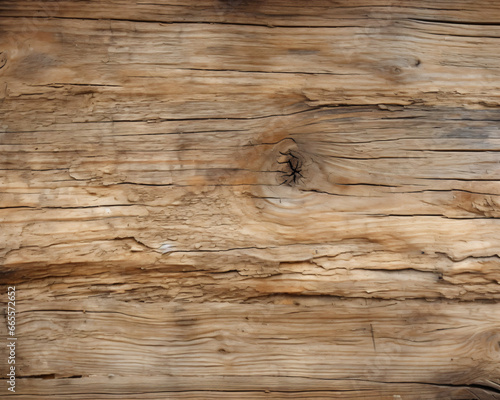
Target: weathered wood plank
<point>403,215</point>
<point>420,349</point>
<point>233,199</point>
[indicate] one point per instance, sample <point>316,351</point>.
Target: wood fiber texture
<point>251,199</point>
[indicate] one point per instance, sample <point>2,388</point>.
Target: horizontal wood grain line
<point>181,22</point>
<point>408,391</point>
<point>360,23</point>
<point>407,388</point>
<point>450,22</point>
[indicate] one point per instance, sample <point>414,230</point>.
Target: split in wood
<point>293,169</point>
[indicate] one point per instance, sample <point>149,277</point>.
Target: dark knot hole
<point>291,168</point>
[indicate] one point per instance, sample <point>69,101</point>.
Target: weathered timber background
<point>163,247</point>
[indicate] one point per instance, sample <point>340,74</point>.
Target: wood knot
<point>291,167</point>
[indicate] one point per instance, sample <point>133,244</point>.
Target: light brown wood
<point>402,216</point>
<point>315,348</point>
<point>149,204</point>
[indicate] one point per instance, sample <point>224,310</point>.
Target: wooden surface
<point>251,199</point>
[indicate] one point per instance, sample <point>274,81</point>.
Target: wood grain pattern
<point>403,216</point>
<point>316,349</point>
<point>252,199</point>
